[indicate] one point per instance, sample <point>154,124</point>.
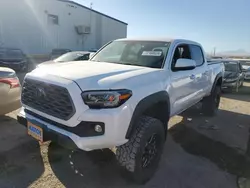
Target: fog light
<point>98,128</point>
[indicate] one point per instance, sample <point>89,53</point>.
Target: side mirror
<point>91,55</point>
<point>184,64</point>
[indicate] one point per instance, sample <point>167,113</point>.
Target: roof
<point>68,1</point>
<point>147,39</point>
<point>156,39</point>
<point>5,69</point>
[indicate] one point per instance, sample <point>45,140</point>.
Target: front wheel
<point>140,156</point>
<point>210,104</point>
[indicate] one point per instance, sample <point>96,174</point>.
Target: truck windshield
<point>139,53</point>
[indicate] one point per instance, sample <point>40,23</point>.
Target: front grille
<point>48,98</point>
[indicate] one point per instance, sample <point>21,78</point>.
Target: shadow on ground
<point>244,93</point>
<point>209,163</point>
<point>228,158</point>
<point>20,159</point>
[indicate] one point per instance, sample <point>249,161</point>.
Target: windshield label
<point>151,53</point>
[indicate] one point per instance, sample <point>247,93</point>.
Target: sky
<point>220,24</point>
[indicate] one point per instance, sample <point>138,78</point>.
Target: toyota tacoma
<point>121,98</point>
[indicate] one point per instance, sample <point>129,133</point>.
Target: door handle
<point>206,73</point>
<point>192,77</point>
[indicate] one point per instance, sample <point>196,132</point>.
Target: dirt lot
<point>200,152</point>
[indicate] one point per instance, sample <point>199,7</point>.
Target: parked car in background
<point>58,52</point>
<point>247,73</point>
<point>234,75</point>
<point>14,58</point>
<point>10,91</point>
<point>70,56</point>
<point>93,50</point>
<point>246,67</point>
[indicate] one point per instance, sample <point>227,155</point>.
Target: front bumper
<point>49,134</point>
<point>247,77</point>
<point>229,84</point>
<point>70,138</point>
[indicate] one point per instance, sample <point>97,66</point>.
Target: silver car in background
<point>10,91</point>
<point>68,57</point>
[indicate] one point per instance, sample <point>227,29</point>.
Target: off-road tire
<point>210,104</point>
<point>130,155</point>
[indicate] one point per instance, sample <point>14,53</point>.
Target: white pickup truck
<point>122,97</point>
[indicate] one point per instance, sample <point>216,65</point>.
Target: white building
<point>38,26</point>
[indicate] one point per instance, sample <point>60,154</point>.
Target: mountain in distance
<point>239,52</point>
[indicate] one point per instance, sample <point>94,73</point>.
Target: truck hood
<point>47,63</point>
<point>96,75</point>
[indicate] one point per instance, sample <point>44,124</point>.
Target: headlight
<point>230,79</point>
<point>106,99</point>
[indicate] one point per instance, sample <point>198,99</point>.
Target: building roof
<point>68,1</point>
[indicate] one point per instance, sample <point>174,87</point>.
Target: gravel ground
<point>200,152</point>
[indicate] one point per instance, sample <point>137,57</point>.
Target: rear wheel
<point>140,156</point>
<point>210,104</point>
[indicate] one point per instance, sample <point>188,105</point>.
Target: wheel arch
<point>217,81</point>
<point>156,105</point>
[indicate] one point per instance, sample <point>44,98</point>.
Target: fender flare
<point>145,104</point>
<point>218,76</point>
